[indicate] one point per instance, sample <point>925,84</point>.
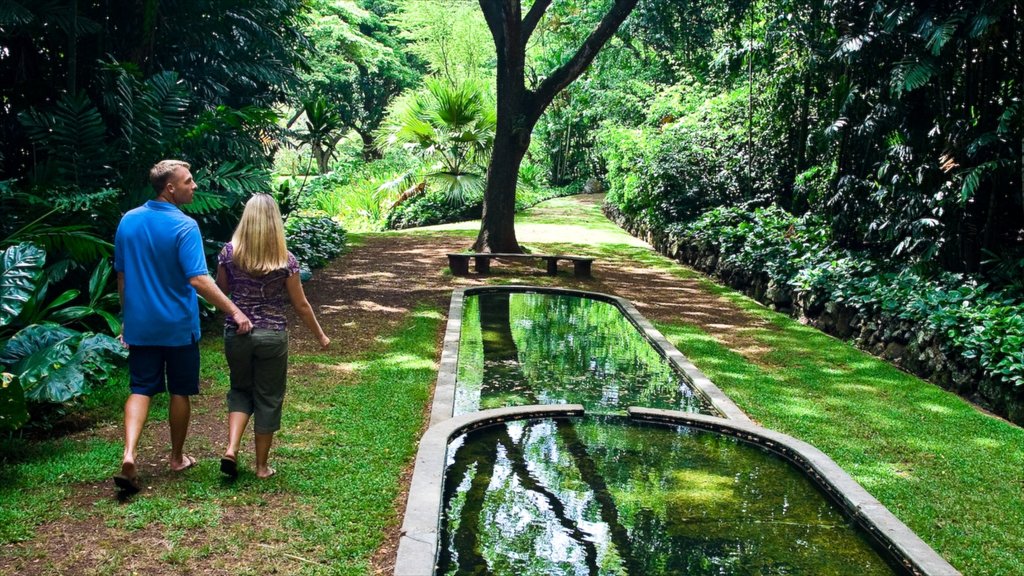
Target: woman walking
<point>262,277</point>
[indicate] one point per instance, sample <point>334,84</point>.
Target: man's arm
<point>206,288</point>
<point>120,298</point>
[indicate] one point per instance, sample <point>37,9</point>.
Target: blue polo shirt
<point>158,248</point>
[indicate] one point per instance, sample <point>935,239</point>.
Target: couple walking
<point>160,264</point>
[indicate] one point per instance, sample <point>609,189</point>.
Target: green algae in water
<point>602,495</point>
<point>528,348</point>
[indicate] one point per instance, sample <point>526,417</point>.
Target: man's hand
<point>244,325</point>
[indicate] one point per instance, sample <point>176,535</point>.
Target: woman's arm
<point>222,279</point>
<point>304,310</point>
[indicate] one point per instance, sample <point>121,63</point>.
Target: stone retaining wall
<point>903,343</point>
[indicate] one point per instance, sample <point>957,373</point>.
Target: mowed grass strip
<point>352,436</point>
<point>951,473</point>
<point>350,426</point>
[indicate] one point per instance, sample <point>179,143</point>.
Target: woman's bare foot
<point>265,472</point>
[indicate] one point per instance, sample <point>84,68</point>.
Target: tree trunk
<point>497,224</point>
<point>370,152</point>
<point>519,109</point>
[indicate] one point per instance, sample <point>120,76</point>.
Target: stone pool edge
<point>419,541</point>
<point>417,546</point>
<point>865,509</point>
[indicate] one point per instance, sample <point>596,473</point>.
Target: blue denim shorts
<point>155,369</point>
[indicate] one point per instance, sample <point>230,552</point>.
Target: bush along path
<point>952,329</point>
<point>353,414</point>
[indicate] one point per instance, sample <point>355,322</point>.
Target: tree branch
<point>493,16</point>
<point>533,18</point>
<point>539,99</point>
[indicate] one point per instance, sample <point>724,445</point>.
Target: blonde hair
<point>259,246</point>
<point>162,171</point>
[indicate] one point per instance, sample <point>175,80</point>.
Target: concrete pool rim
<point>420,533</point>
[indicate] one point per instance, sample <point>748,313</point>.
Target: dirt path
<point>366,293</point>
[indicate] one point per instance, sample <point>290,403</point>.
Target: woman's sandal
<point>229,467</point>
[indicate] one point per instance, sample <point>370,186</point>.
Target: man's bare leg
<point>180,413</point>
<point>136,410</point>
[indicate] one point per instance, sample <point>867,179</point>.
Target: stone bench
<point>459,263</point>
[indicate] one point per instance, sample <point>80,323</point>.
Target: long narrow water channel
<point>520,348</point>
<point>602,494</point>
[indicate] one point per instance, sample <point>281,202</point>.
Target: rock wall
<point>908,345</point>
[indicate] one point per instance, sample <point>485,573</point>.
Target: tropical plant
<point>362,64</point>
<point>323,131</point>
<point>451,128</point>
<point>314,237</point>
<point>41,359</point>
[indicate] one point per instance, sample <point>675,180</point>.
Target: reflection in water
<point>522,348</point>
<point>602,495</point>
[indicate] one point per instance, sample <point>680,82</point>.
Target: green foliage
<point>55,364</point>
<point>314,237</point>
<point>437,207</point>
<point>361,64</point>
<point>13,410</point>
<point>20,269</point>
<point>450,36</point>
<point>432,207</point>
<point>451,128</point>
<point>43,360</point>
<point>679,169</point>
<point>966,316</point>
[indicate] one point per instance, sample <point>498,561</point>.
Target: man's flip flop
<point>229,467</point>
<point>189,462</point>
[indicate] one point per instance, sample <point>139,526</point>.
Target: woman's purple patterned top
<point>262,298</point>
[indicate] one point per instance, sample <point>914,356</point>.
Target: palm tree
<point>451,128</point>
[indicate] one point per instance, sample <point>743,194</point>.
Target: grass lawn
<point>350,427</point>
<point>952,473</point>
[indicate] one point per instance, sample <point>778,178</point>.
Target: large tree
<point>519,107</point>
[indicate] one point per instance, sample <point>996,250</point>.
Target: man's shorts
<point>154,369</point>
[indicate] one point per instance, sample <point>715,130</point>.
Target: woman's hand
<point>324,341</point>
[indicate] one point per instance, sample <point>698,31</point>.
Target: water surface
<point>603,495</point>
<point>519,348</point>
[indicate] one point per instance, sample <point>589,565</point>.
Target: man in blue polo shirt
<point>158,255</point>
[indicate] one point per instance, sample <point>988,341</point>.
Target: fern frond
<point>940,35</point>
<point>14,14</point>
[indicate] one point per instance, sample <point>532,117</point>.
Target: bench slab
<point>459,262</point>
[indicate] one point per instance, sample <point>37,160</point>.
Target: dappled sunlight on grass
<point>408,361</point>
<point>922,451</point>
<point>935,408</point>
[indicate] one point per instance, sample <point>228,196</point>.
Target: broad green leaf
<point>19,271</point>
<point>13,412</point>
<point>31,339</point>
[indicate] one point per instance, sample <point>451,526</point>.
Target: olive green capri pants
<point>259,369</point>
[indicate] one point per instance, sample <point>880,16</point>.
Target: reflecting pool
<point>519,348</point>
<point>604,495</point>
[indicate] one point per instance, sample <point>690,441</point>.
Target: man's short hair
<point>162,171</point>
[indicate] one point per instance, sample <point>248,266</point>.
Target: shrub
<point>967,317</point>
<point>314,237</point>
<point>42,360</point>
<point>432,207</point>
